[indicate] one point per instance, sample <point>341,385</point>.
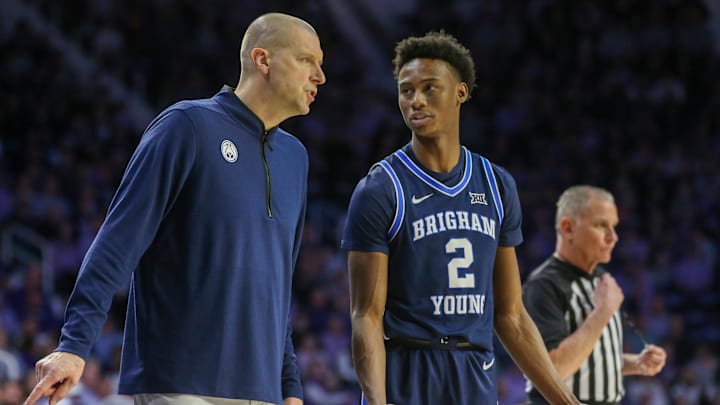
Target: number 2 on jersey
<point>464,262</point>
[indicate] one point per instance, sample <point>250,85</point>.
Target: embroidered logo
<point>477,198</point>
<point>416,200</point>
<point>229,151</point>
<point>486,366</point>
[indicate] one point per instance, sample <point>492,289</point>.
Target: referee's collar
<point>567,266</point>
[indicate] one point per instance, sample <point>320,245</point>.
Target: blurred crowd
<point>622,94</point>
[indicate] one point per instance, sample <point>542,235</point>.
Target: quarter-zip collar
<point>230,102</point>
<point>245,117</point>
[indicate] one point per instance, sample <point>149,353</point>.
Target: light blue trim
<point>430,181</point>
<point>399,199</point>
<point>490,175</point>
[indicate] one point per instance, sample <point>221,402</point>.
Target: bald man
<point>205,239</point>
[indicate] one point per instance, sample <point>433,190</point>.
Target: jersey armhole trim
<point>399,200</point>
<point>490,176</point>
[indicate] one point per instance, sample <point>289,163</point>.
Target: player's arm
<point>368,294</point>
<point>518,332</point>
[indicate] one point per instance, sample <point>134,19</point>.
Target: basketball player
<point>431,232</point>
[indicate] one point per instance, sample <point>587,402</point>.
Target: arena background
<point>623,94</point>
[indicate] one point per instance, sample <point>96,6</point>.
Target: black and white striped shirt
<point>559,296</point>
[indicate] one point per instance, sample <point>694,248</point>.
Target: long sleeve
<point>151,183</point>
<point>291,384</point>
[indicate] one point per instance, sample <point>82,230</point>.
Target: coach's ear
<point>260,60</point>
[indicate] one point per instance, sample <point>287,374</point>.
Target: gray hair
<point>574,201</point>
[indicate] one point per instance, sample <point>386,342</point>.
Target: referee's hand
<point>56,374</point>
<point>608,294</point>
<point>651,360</point>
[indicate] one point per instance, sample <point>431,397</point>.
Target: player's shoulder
<point>394,156</point>
<point>376,180</point>
<point>377,184</point>
<point>499,171</point>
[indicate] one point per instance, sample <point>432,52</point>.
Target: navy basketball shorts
<point>435,377</point>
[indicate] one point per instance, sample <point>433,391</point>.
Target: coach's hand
<point>56,374</point>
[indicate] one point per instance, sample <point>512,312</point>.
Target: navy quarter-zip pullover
<point>206,224</point>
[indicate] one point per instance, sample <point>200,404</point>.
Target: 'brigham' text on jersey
<point>451,221</point>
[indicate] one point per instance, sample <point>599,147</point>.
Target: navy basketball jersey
<point>441,233</point>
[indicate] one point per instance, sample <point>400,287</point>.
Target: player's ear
<point>260,60</point>
<point>462,93</point>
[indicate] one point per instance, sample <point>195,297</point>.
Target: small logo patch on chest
<point>477,198</point>
<point>229,151</point>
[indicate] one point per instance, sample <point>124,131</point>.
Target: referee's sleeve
<point>546,305</point>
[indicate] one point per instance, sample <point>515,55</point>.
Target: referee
<point>576,303</point>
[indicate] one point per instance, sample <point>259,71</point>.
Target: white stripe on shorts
<point>184,399</point>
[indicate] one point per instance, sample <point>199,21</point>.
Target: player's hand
<point>292,401</point>
<point>56,374</point>
<point>608,294</point>
<point>651,360</point>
